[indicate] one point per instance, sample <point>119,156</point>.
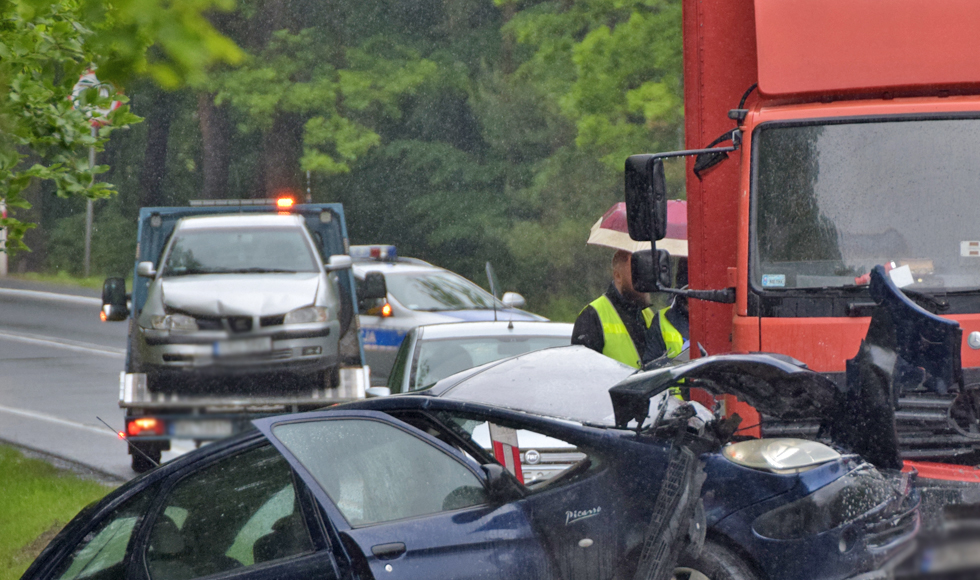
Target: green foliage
<point>45,45</point>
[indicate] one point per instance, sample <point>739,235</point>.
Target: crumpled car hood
<point>771,384</point>
<point>240,294</point>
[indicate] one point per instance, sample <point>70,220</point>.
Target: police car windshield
<point>437,291</point>
<point>230,251</point>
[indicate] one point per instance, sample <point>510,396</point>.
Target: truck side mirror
<point>146,269</point>
<point>373,287</point>
<point>646,198</point>
<point>651,270</point>
<point>338,262</point>
<point>114,306</point>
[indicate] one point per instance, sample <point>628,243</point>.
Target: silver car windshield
<point>440,358</point>
<point>832,201</point>
<point>228,251</point>
<point>437,291</point>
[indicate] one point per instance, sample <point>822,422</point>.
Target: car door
<point>407,504</point>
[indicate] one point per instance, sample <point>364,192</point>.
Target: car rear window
<point>440,358</point>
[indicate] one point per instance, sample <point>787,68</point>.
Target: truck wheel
<point>141,464</point>
<point>715,562</point>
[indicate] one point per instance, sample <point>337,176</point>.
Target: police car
<point>417,293</point>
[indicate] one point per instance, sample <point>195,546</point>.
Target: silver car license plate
<point>203,429</point>
<point>243,347</point>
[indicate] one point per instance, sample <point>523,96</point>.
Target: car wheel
<point>142,464</point>
<point>715,562</point>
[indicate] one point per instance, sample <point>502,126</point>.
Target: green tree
<point>45,45</point>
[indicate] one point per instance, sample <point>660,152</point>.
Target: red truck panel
<point>861,46</point>
<point>718,68</point>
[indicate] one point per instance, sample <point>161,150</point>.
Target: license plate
<point>243,347</point>
<point>205,428</point>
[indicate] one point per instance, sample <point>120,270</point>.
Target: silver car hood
<point>240,294</point>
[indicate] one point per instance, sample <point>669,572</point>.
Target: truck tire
<point>140,463</point>
<point>715,562</point>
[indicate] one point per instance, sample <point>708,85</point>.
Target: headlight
<point>840,502</point>
<point>780,455</point>
<point>307,315</point>
<point>174,323</point>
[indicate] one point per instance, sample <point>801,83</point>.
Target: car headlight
<point>842,501</point>
<point>174,323</point>
<point>307,315</point>
<point>780,455</point>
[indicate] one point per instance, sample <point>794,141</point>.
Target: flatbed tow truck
<point>163,401</point>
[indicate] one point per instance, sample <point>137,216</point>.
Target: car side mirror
<point>338,262</point>
<point>646,198</point>
<point>502,486</point>
<point>146,269</point>
<point>513,300</point>
<point>374,287</point>
<point>651,270</point>
<point>114,306</point>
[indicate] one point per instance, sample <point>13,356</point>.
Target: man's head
<point>623,277</point>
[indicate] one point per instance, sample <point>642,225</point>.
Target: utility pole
<point>89,211</point>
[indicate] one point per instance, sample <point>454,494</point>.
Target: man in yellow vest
<point>616,323</point>
<point>668,335</point>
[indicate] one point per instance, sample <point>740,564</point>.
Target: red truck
<point>845,135</point>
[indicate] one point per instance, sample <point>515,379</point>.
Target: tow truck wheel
<point>142,464</point>
<point>715,562</point>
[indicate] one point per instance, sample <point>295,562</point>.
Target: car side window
<point>102,552</point>
<point>376,472</point>
<point>397,376</point>
<point>240,511</point>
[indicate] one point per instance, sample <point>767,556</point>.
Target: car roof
<point>362,267</point>
<point>565,382</point>
<point>239,220</point>
<point>502,327</point>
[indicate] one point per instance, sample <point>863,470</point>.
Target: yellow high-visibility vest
<point>617,343</point>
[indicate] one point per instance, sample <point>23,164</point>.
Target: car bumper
<point>304,348</point>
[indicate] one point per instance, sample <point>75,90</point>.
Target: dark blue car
<point>401,488</point>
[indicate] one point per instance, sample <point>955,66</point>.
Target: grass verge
<point>36,501</point>
<point>62,279</point>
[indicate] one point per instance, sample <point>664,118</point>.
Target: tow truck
<point>219,335</point>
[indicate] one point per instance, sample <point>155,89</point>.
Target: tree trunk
<point>283,146</point>
<point>155,160</point>
<point>215,136</point>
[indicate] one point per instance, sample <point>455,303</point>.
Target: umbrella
<point>611,230</point>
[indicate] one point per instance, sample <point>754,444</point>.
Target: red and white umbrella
<point>611,230</point>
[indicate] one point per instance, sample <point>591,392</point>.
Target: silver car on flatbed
<point>239,294</point>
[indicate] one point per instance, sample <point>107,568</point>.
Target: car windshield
<point>438,359</point>
<point>227,250</point>
<point>438,291</point>
<point>826,203</point>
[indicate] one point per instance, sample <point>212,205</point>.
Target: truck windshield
<point>832,201</point>
<point>228,251</point>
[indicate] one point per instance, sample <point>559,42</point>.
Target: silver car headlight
<point>307,315</point>
<point>174,323</point>
<point>780,455</point>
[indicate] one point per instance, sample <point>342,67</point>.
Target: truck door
<point>408,505</point>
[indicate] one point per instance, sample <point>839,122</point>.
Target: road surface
<point>59,372</point>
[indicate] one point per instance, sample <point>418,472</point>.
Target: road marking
<point>38,295</point>
<point>56,420</point>
<point>83,347</point>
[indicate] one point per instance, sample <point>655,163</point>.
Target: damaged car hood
<point>771,384</point>
<point>240,294</point>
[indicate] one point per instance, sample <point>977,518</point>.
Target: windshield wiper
<point>259,271</point>
<point>938,304</point>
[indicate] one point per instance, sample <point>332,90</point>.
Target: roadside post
<point>85,82</point>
